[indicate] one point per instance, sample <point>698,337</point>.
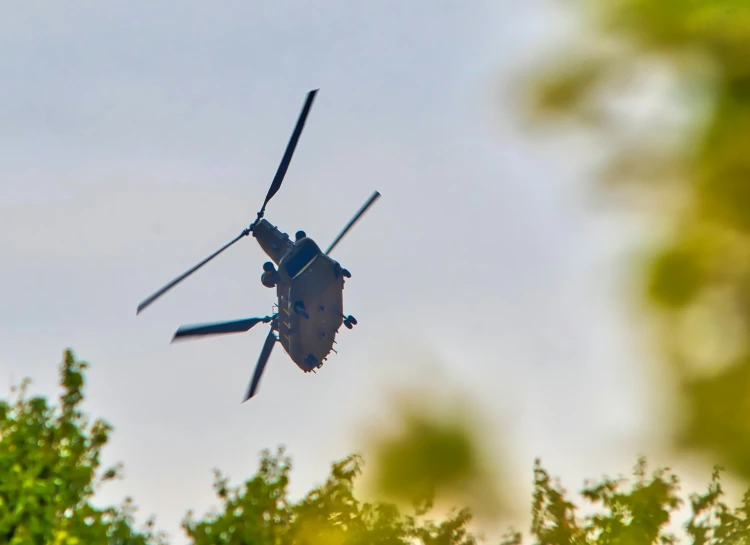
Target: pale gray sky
<point>136,139</point>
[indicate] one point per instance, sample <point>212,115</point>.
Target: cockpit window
<point>304,255</point>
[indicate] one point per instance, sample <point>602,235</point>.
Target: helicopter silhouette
<point>309,285</point>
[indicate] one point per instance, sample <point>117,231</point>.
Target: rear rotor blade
<point>179,279</point>
<point>265,353</point>
<point>375,196</point>
<point>218,328</point>
<point>291,146</point>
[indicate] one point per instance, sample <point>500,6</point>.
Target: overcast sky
<point>135,139</point>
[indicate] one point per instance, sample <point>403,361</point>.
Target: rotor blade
<point>218,328</point>
<point>354,220</point>
<point>265,353</point>
<point>281,172</point>
<point>179,279</point>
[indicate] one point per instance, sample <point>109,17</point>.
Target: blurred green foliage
<point>433,453</point>
<point>697,280</point>
<point>426,457</point>
<point>49,469</point>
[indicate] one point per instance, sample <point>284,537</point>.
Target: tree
<point>49,465</point>
<point>49,471</point>
<point>638,514</point>
<point>260,512</point>
<point>618,512</point>
<point>697,278</point>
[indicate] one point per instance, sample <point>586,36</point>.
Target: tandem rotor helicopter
<point>309,285</point>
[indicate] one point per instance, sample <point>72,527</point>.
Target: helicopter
<point>309,285</point>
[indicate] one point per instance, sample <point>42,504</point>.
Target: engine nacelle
<point>273,242</point>
<point>270,276</point>
<point>268,280</point>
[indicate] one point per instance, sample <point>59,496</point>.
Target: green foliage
<point>49,461</point>
<point>257,512</point>
<point>415,464</point>
<point>50,470</point>
<point>429,457</point>
<point>260,512</point>
<point>638,511</point>
<point>713,523</point>
<point>553,516</point>
<point>432,454</point>
<point>637,514</point>
<point>702,268</point>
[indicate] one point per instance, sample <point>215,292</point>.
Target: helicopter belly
<point>308,336</point>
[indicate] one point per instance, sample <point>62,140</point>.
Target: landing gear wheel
<point>348,324</point>
<point>351,319</point>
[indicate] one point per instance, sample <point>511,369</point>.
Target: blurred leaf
<point>426,458</point>
<point>435,453</point>
<point>565,92</point>
<point>705,265</point>
<point>716,411</point>
<point>675,278</point>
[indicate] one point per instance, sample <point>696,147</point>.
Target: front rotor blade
<point>179,279</point>
<point>218,328</point>
<point>265,353</point>
<point>374,197</point>
<point>281,172</point>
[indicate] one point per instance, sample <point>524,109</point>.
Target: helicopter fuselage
<point>309,287</point>
<point>309,284</point>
